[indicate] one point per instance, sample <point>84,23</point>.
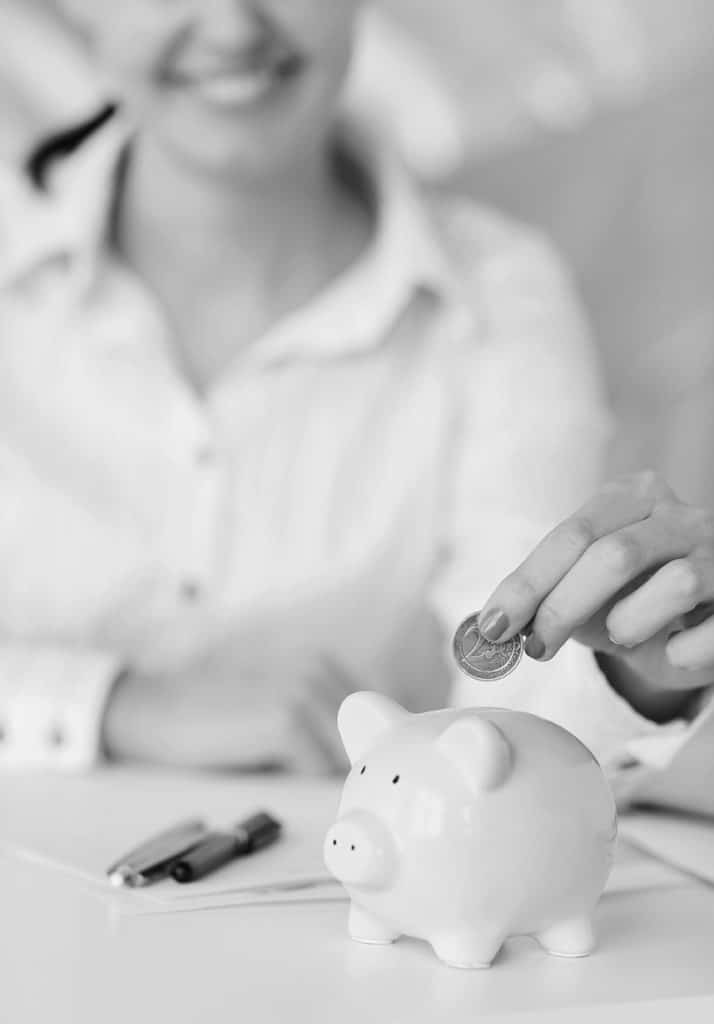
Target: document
<point>683,841</point>
<point>79,826</point>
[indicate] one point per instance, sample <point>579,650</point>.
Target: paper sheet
<point>686,842</point>
<point>81,825</point>
<point>78,826</point>
<point>635,870</point>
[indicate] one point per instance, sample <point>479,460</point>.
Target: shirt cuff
<point>52,702</point>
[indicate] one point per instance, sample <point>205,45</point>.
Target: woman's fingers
<point>606,568</point>
<point>693,649</point>
<point>515,602</point>
<point>677,588</point>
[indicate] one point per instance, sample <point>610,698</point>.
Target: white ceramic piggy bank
<point>463,827</point>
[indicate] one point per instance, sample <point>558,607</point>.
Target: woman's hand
<point>631,575</point>
<point>208,718</point>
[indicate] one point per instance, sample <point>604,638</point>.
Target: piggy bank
<point>463,827</point>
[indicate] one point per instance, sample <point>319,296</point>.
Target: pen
<point>152,859</point>
<point>219,848</point>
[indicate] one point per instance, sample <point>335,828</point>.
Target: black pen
<point>219,848</point>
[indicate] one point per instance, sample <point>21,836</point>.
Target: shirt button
<point>190,591</point>
<point>205,457</point>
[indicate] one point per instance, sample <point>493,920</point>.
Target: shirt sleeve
<point>530,449</point>
<point>54,681</point>
<point>52,701</point>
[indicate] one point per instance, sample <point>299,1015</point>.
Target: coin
<point>481,659</point>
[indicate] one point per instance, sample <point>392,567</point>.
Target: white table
<point>68,957</point>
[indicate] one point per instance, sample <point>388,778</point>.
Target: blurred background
<point>593,119</point>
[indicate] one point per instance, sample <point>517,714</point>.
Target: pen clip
<point>170,843</point>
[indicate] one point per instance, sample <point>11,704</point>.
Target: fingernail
<point>493,625</point>
<point>535,648</point>
<point>620,643</point>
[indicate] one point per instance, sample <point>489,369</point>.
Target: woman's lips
<point>240,83</point>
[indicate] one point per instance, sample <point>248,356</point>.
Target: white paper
<point>685,842</point>
<point>635,870</point>
<point>80,825</point>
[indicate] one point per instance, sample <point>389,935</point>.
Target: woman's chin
<point>256,140</point>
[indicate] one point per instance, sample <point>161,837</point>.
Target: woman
<point>271,422</point>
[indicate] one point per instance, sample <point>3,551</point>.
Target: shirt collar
<point>405,256</point>
<point>69,221</point>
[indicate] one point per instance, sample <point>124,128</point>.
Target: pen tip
<point>120,877</point>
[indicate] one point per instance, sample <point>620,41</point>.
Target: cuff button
<point>190,591</point>
<point>56,736</point>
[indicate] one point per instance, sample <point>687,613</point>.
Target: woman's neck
<point>273,245</point>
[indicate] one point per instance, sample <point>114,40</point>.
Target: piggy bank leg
<point>365,927</point>
<point>568,938</point>
<point>467,949</point>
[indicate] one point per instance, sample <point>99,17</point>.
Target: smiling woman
<point>223,98</point>
<point>393,76</point>
<point>184,67</point>
<point>272,420</point>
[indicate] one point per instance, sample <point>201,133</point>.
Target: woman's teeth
<point>240,83</point>
<point>236,89</point>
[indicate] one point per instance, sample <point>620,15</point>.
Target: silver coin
<point>481,659</point>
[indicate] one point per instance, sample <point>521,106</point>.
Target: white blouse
<point>357,481</point>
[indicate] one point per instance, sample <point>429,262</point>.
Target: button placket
<point>200,524</point>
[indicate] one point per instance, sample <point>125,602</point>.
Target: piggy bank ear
<point>363,718</point>
<point>479,751</point>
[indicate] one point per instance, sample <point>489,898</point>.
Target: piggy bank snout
<point>359,851</point>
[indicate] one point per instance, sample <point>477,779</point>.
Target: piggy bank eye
<point>363,769</point>
<point>395,780</point>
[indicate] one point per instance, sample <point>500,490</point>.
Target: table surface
<point>69,956</point>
